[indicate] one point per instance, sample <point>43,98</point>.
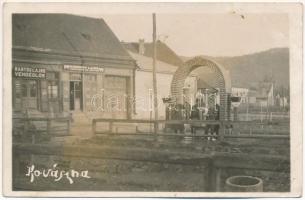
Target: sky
<point>210,34</point>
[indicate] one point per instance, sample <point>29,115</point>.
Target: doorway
<point>76,96</point>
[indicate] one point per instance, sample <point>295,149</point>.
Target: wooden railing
<point>254,129</point>
<point>36,125</point>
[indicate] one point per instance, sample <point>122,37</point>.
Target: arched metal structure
<point>222,76</point>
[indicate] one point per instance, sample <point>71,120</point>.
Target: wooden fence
<point>227,129</point>
<point>55,126</point>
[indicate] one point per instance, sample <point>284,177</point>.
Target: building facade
<point>65,64</point>
<point>166,65</point>
<point>262,95</point>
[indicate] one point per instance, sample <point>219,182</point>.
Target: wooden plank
<point>152,135</point>
<point>45,124</point>
<point>177,121</point>
<point>253,123</point>
<point>258,136</point>
<point>41,118</point>
<point>123,120</point>
<point>252,136</point>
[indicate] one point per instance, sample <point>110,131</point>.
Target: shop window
<point>25,89</point>
<point>78,90</point>
<point>52,84</point>
<point>52,89</point>
<point>26,92</point>
<point>44,96</point>
<point>18,93</point>
<point>17,89</point>
<point>33,89</point>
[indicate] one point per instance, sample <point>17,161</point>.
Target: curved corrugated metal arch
<point>220,73</point>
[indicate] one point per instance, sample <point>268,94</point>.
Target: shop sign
<point>29,72</point>
<point>83,68</point>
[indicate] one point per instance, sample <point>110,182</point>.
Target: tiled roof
<point>164,53</point>
<point>66,33</point>
<point>146,64</point>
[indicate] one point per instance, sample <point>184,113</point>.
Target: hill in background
<point>249,69</point>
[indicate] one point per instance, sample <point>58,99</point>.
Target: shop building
<point>65,64</point>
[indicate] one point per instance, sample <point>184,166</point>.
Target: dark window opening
<point>52,89</point>
<point>33,89</point>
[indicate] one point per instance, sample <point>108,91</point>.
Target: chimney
<point>141,47</point>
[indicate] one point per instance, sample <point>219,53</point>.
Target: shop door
<point>26,95</point>
<point>53,96</point>
<point>76,96</point>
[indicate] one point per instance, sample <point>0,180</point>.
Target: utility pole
<point>154,73</point>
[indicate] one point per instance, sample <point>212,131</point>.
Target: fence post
<point>221,130</point>
<point>155,127</point>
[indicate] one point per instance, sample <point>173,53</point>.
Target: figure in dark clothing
<point>217,113</point>
<point>210,127</point>
<point>178,115</point>
<point>195,112</point>
<point>194,115</point>
<point>187,109</point>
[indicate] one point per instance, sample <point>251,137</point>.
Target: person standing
<point>217,113</point>
<point>187,109</point>
<point>210,127</point>
<point>194,115</point>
